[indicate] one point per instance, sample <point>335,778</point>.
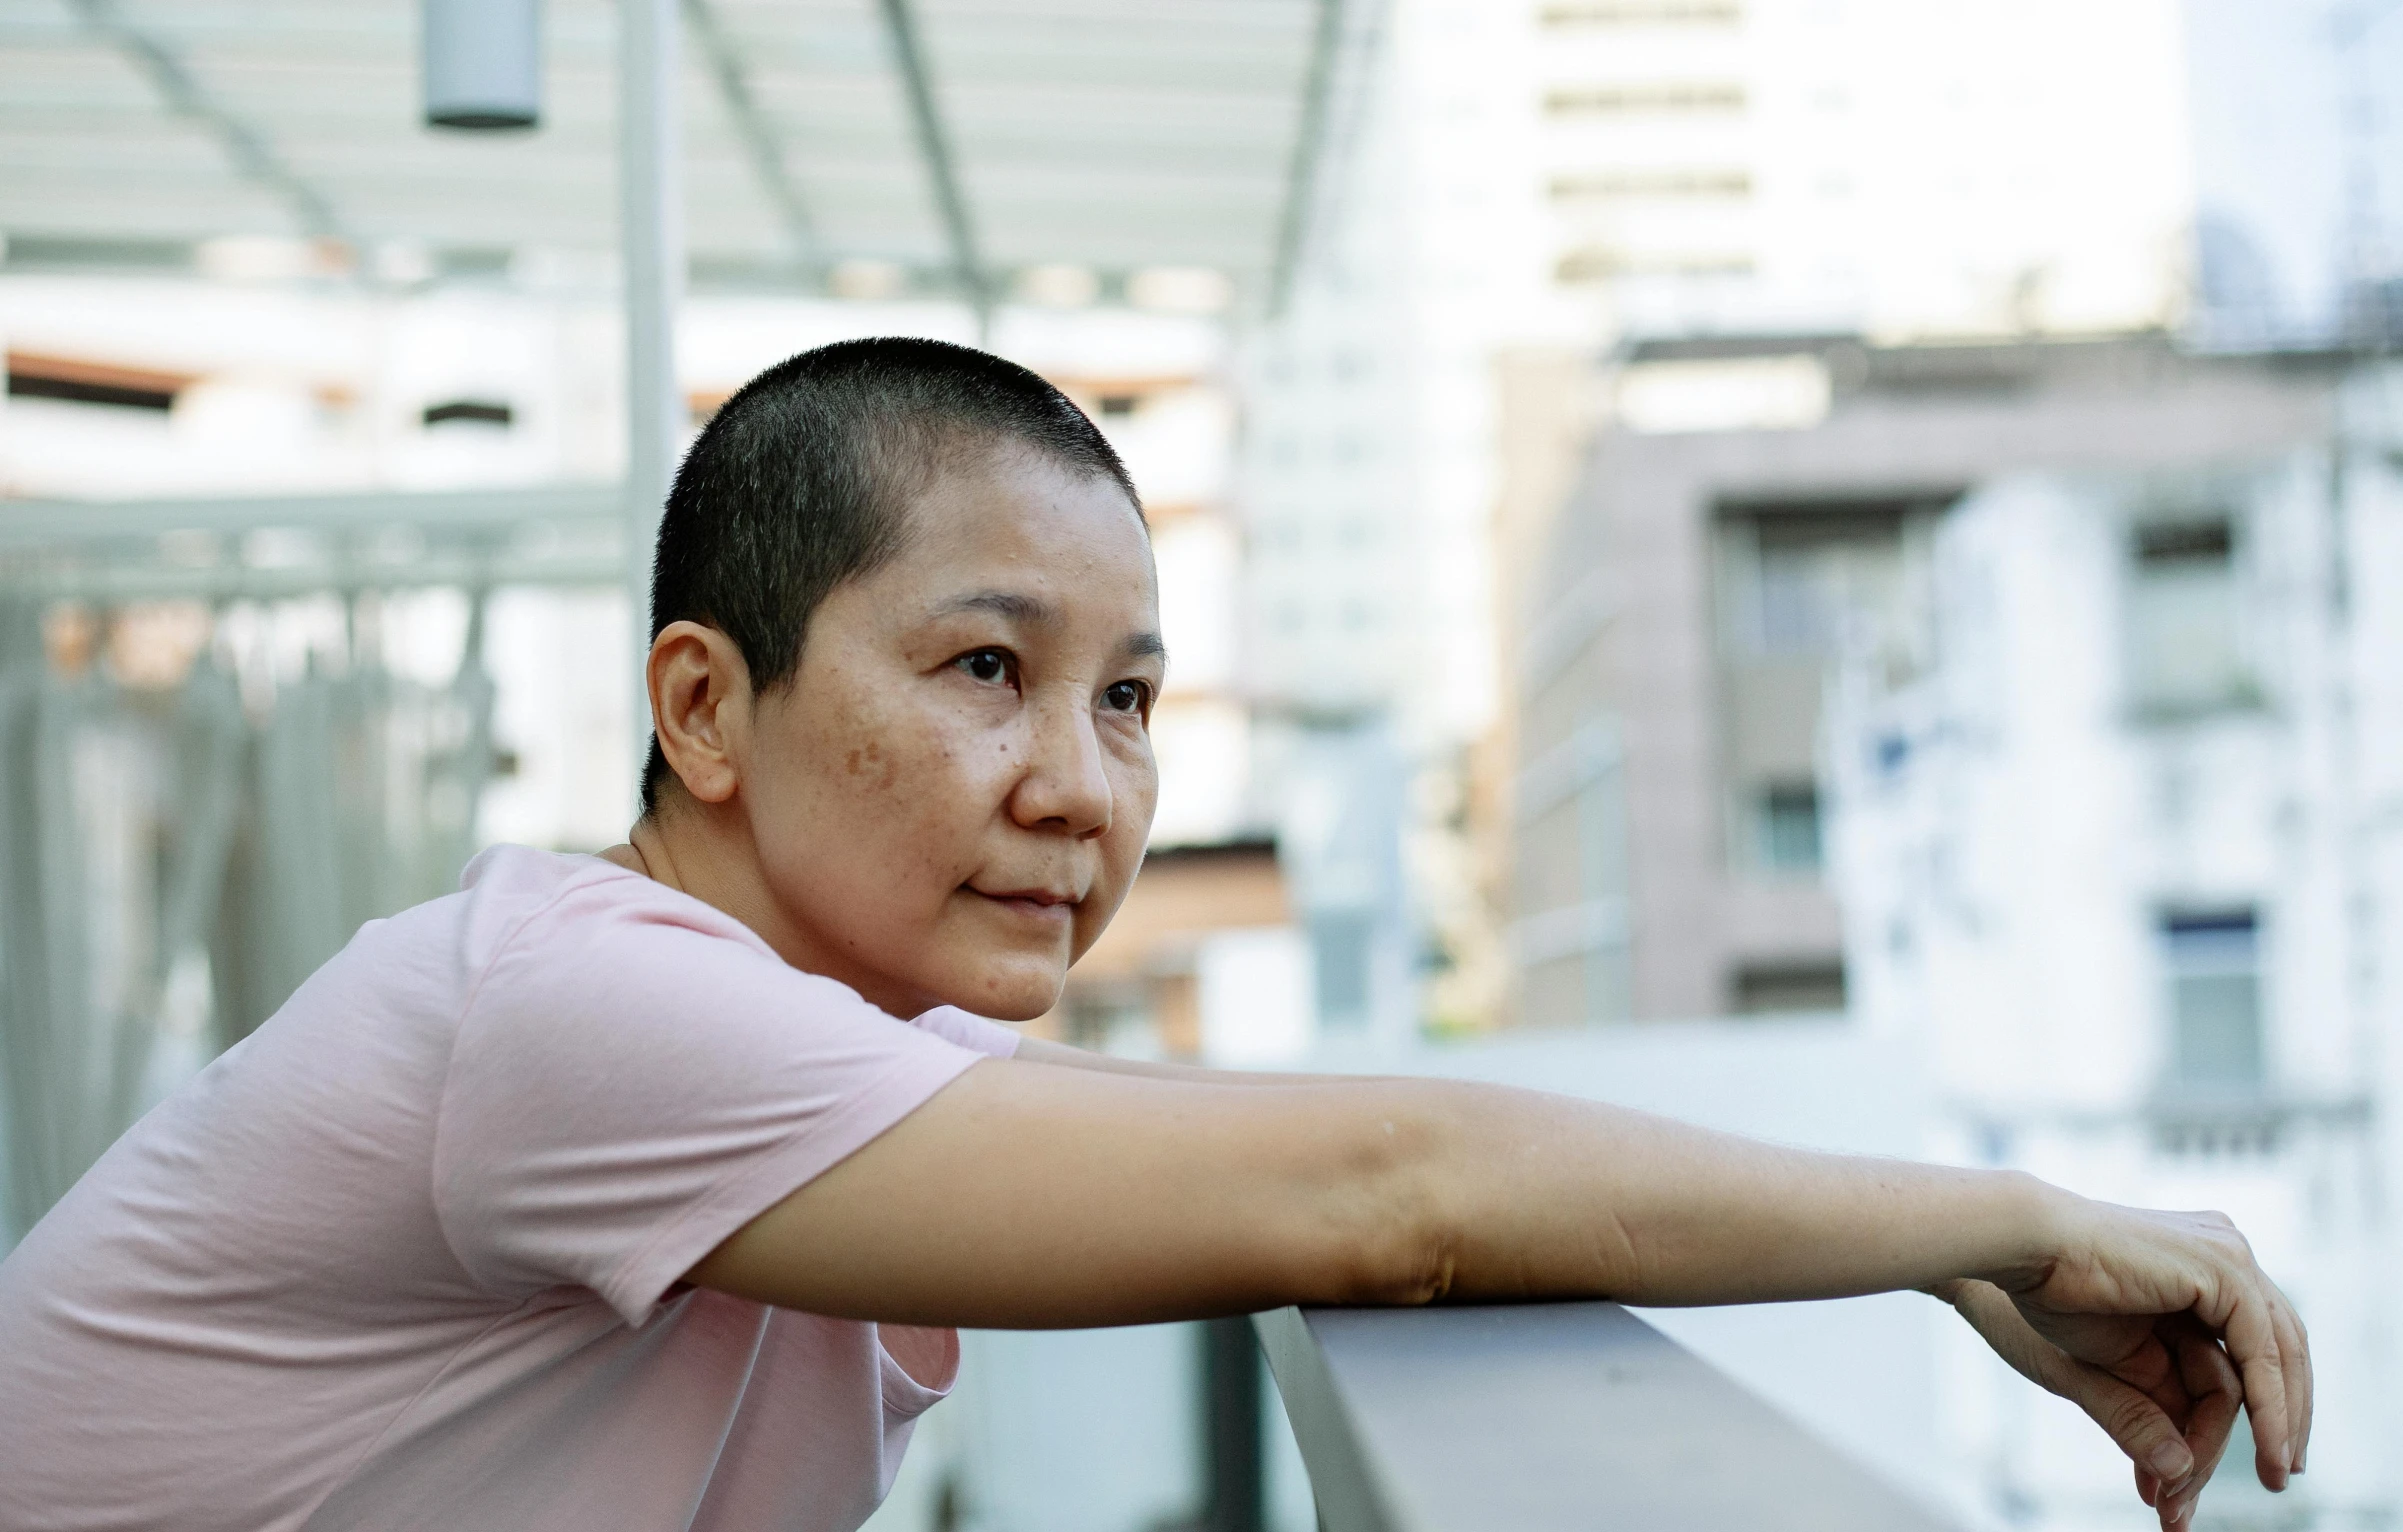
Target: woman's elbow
<point>1398,1234</point>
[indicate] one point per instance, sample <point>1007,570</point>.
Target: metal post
<point>1236,1497</point>
<point>651,238</point>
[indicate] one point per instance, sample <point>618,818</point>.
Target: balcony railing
<point>1546,1418</point>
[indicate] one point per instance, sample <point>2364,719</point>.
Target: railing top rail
<point>1547,1417</point>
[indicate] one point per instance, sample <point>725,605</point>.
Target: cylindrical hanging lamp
<point>483,63</point>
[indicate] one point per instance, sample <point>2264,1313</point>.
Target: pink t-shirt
<point>403,1258</point>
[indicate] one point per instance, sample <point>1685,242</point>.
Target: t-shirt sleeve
<point>630,1085</point>
<point>970,1030</point>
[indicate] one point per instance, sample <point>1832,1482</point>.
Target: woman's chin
<point>1009,991</point>
<point>1026,1009</point>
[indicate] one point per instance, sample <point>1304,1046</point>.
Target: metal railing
<point>1544,1418</point>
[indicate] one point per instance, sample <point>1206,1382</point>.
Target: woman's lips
<point>1032,904</point>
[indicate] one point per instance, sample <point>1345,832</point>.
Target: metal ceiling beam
<point>27,525</point>
<point>110,583</point>
<point>760,143</point>
<point>934,148</point>
<point>1309,141</point>
<point>252,155</point>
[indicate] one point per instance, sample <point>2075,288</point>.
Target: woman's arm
<point>1029,1195</point>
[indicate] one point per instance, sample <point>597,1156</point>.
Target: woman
<point>617,1192</point>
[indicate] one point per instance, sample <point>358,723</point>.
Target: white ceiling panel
<point>1114,133</point>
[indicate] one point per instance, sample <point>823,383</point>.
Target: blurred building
<point>1972,166</point>
<point>1581,176</point>
<point>1869,164</point>
<point>2123,853</point>
<point>1903,626</point>
<point>2297,129</point>
<point>1747,514</point>
<point>2025,702</point>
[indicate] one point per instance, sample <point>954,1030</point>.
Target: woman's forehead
<point>1064,538</point>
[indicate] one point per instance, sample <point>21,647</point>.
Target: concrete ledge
<point>1546,1418</point>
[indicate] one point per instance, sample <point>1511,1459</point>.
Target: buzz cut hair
<point>803,480</point>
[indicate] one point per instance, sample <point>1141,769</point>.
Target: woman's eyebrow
<point>1031,610</point>
<point>1036,612</point>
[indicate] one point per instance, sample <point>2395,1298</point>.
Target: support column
<point>1235,1493</point>
<point>651,242</point>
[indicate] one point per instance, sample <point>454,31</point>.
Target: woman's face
<point>951,798</point>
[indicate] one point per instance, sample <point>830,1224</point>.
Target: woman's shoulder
<point>559,933</point>
<point>512,891</point>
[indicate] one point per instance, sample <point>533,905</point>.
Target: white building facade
<point>2125,864</point>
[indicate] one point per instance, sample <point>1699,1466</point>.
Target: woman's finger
<point>2294,1392</point>
<point>2311,1395</point>
<point>2141,1428</point>
<point>2295,1350</point>
<point>2249,1330</point>
<point>2211,1383</point>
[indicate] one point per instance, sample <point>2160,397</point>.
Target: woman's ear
<point>700,706</point>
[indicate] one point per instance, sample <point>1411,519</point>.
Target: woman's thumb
<point>2141,1428</point>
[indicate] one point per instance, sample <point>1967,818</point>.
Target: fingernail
<point>2170,1460</point>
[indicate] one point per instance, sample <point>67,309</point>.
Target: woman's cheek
<point>1137,792</point>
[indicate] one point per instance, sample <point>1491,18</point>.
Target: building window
<point>1646,98</point>
<point>2214,971</point>
<point>2185,650</point>
<point>1609,263</point>
<point>1644,13</point>
<point>1801,588</point>
<point>1788,828</point>
<point>1646,185</point>
<point>1771,989</point>
<point>1806,581</point>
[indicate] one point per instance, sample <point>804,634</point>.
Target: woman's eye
<point>988,665</point>
<point>1127,697</point>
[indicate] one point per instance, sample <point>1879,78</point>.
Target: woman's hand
<point>2157,1325</point>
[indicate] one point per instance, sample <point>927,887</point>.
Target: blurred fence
<point>182,847</point>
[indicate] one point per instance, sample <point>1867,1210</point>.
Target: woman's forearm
<point>1687,1210</point>
<point>1537,1195</point>
<point>1027,1194</point>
